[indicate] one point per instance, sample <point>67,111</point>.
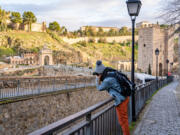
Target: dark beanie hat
<point>99,67</point>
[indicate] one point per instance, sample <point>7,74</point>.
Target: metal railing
<point>100,119</point>
<point>16,87</point>
<point>91,124</point>
<point>144,92</point>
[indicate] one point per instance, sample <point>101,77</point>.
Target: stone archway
<point>160,69</point>
<point>46,60</point>
<point>46,56</point>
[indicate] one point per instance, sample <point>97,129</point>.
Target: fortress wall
<point>160,42</point>
<point>23,117</point>
<point>145,43</point>
<point>37,27</point>
<point>118,39</point>
<point>155,37</point>
<point>171,43</point>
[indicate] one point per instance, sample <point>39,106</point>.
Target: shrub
<point>6,51</point>
<point>114,42</point>
<point>102,40</point>
<point>91,40</point>
<point>83,43</point>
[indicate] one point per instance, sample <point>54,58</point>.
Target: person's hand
<point>99,79</point>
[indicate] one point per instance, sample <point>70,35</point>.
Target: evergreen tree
<point>29,18</point>
<point>149,69</point>
<point>16,17</point>
<point>54,26</point>
<point>4,16</point>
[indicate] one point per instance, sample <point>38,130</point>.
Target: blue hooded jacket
<point>112,86</point>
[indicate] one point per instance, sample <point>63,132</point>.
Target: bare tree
<point>171,12</point>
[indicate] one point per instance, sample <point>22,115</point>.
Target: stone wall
<point>151,38</point>
<point>160,41</point>
<point>145,48</point>
<point>23,117</point>
<point>118,39</point>
<point>37,27</point>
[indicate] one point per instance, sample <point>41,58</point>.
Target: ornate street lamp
<point>171,66</point>
<point>157,54</point>
<point>133,10</point>
<point>167,61</point>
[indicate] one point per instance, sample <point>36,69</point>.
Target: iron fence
<point>22,87</point>
<point>101,119</point>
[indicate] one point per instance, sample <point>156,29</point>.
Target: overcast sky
<point>76,13</point>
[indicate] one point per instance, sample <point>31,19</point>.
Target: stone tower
<point>151,36</point>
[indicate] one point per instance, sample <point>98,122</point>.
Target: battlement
<point>146,24</point>
<point>152,36</point>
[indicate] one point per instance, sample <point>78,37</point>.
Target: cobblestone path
<point>162,116</point>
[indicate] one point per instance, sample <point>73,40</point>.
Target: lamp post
<point>157,54</point>
<point>133,7</point>
<point>171,66</point>
<point>167,61</point>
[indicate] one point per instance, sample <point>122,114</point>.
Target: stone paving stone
<point>162,116</point>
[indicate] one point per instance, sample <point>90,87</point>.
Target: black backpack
<point>125,83</point>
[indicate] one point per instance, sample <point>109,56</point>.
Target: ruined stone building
<point>36,27</point>
<point>43,58</point>
<point>125,65</point>
<point>27,58</point>
<point>152,36</point>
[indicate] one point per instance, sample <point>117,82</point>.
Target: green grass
<point>6,51</point>
<point>30,40</point>
<point>105,51</point>
<point>34,41</point>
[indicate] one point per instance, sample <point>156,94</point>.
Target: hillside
<point>14,43</point>
<point>105,51</point>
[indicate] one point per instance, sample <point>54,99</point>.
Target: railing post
<point>30,87</point>
<point>85,83</point>
<point>1,87</point>
<point>89,128</point>
<point>38,86</point>
<point>54,84</point>
<point>18,87</point>
<point>66,87</point>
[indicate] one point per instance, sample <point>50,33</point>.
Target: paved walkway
<point>162,116</point>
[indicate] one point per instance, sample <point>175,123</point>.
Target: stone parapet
<point>23,117</point>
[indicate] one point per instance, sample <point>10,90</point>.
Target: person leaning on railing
<point>104,81</point>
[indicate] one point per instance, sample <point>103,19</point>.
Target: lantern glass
<point>167,61</point>
<point>157,51</point>
<point>133,7</point>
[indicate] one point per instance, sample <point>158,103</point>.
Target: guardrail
<point>100,119</point>
<point>11,88</point>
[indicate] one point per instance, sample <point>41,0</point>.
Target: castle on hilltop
<point>36,27</point>
<point>96,28</point>
<point>152,36</point>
